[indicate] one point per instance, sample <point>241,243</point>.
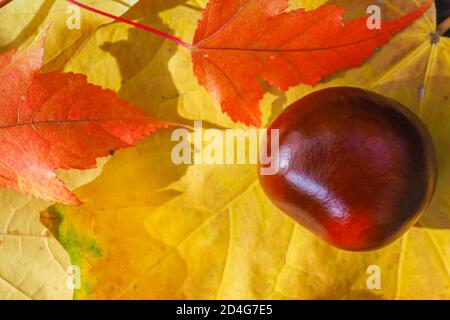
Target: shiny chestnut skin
<point>356,168</point>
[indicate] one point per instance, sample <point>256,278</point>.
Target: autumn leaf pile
<point>149,229</point>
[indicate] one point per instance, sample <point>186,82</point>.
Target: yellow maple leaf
<point>20,20</point>
<point>26,249</point>
<point>151,230</point>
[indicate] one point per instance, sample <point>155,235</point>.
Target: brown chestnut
<point>355,168</point>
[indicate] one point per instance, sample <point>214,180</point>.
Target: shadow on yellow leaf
<point>150,72</point>
<point>153,230</point>
<point>20,21</point>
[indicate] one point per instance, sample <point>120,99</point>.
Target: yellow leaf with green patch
<point>33,264</point>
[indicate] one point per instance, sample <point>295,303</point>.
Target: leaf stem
<point>134,24</point>
<point>443,27</point>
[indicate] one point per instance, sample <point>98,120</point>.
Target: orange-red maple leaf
<point>57,121</point>
<point>239,42</point>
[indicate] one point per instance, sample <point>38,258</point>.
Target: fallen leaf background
<point>150,229</point>
<point>33,263</point>
<point>201,232</point>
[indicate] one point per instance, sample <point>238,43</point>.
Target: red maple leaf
<point>239,42</point>
<point>57,121</point>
